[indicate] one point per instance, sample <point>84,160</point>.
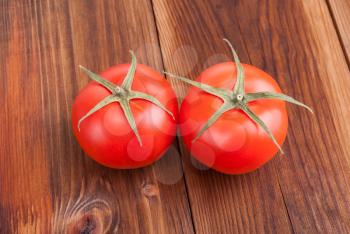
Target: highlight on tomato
<point>234,119</point>
<point>126,117</point>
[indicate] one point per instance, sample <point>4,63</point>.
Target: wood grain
<point>340,11</point>
<point>296,42</point>
<point>220,204</point>
<point>47,184</point>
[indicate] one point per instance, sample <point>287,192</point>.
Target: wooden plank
<point>25,180</point>
<point>250,203</point>
<point>47,184</point>
<point>296,42</point>
<point>325,173</point>
<point>340,10</point>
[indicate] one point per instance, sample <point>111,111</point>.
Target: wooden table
<point>48,185</point>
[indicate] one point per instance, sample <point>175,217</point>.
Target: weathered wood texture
<point>48,185</point>
<point>296,42</point>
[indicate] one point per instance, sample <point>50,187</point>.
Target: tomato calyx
<point>238,99</point>
<point>122,94</point>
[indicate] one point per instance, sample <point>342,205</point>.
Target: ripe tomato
<point>133,122</point>
<point>233,144</point>
<point>234,119</point>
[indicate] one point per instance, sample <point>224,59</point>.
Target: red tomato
<point>233,144</point>
<point>106,135</point>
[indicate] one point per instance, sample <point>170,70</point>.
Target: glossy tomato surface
<point>106,135</point>
<point>234,144</point>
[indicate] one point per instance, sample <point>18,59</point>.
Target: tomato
<point>134,120</point>
<point>234,119</point>
<point>233,144</point>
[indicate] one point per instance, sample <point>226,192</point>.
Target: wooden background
<point>48,185</point>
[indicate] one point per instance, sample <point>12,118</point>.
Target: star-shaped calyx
<point>122,94</point>
<point>238,99</point>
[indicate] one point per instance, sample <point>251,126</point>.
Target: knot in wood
<point>150,190</point>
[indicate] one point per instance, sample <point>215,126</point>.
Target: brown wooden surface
<point>47,185</point>
<point>340,10</point>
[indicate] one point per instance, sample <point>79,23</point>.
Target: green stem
<point>131,73</point>
<point>260,123</point>
<point>239,86</point>
<point>130,117</point>
<point>207,88</point>
<point>105,83</point>
<point>223,108</point>
<point>108,100</point>
<point>123,95</point>
<point>280,96</point>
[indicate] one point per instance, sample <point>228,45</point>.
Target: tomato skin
<point>106,135</point>
<point>234,144</point>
